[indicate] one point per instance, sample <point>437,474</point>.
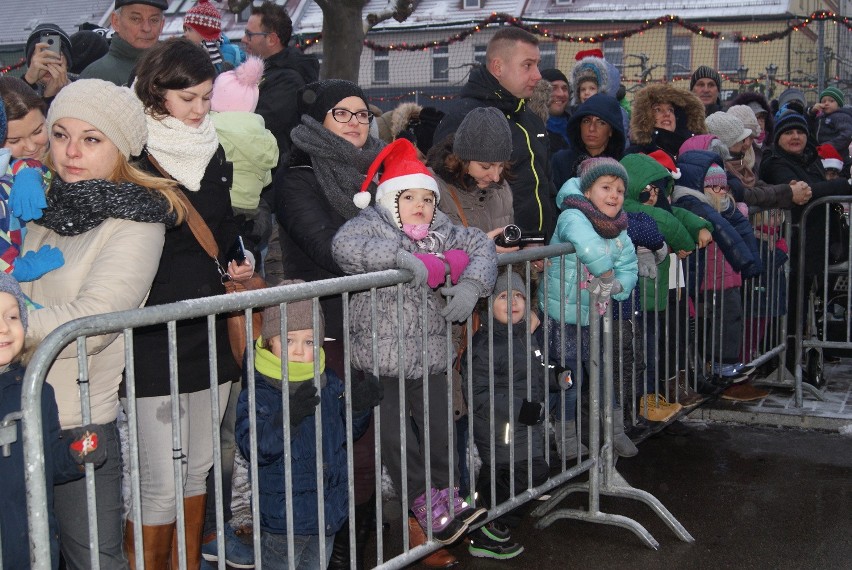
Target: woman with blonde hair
<point>106,216</point>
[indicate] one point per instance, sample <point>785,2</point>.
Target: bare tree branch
<point>237,6</point>
<point>399,10</point>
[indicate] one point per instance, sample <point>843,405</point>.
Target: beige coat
<point>109,268</point>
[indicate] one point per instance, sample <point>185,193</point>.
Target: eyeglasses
<point>251,35</point>
<point>345,115</point>
<point>651,189</point>
<point>717,189</point>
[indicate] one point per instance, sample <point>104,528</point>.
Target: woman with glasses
<point>595,129</point>
<point>332,150</point>
<point>174,81</point>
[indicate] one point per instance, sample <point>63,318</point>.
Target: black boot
<point>340,551</point>
<point>365,524</point>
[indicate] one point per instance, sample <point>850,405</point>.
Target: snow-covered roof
<point>641,10</point>
<point>20,17</point>
<point>427,12</point>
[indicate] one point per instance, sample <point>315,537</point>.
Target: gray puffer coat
<point>370,242</point>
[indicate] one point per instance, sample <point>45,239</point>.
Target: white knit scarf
<point>182,151</point>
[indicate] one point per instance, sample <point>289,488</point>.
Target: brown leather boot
<point>438,559</point>
<point>193,518</point>
<point>157,541</point>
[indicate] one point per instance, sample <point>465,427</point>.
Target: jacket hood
<point>604,107</point>
<point>603,71</point>
<point>485,87</point>
<point>394,122</point>
<point>643,170</point>
<point>706,142</point>
<point>305,65</point>
<point>693,168</point>
<point>571,187</point>
<point>689,112</point>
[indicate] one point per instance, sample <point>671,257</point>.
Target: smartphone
<point>238,251</point>
<point>53,41</point>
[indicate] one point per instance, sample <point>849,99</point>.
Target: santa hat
<point>402,170</point>
<point>830,157</point>
<point>666,160</point>
<point>588,53</point>
<point>205,19</point>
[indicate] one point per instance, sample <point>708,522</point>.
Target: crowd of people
<point>167,156</point>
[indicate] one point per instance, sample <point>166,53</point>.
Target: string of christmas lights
<point>12,67</point>
<point>539,29</point>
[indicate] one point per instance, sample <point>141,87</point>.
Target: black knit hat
<point>703,72</point>
<point>87,47</point>
<point>554,75</point>
<point>35,36</point>
<point>788,120</point>
<point>318,98</point>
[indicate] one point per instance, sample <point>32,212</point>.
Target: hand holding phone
<point>53,42</point>
<point>237,252</point>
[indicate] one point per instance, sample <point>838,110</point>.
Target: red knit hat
<point>830,157</point>
<point>588,53</point>
<point>402,170</point>
<point>665,159</point>
<point>205,19</point>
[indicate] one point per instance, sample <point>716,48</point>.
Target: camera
<point>514,236</point>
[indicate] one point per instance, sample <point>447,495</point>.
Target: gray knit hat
<point>593,168</point>
<point>484,136</point>
<point>705,72</point>
<point>9,284</point>
<point>508,280</point>
<point>113,110</point>
<point>746,114</point>
<point>795,96</point>
<point>728,128</point>
<point>299,316</point>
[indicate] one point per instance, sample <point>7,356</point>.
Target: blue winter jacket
<point>732,231</point>
<point>59,467</point>
<point>271,464</point>
<point>596,253</point>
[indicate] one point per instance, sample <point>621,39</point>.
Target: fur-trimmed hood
<point>689,112</point>
<point>394,122</point>
<point>607,75</point>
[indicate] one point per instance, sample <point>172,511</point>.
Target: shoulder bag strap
<point>455,198</point>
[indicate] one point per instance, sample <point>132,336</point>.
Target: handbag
<point>236,321</point>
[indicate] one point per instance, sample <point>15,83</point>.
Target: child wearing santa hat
<point>831,160</point>
<point>405,230</point>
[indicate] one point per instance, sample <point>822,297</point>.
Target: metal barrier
<point>691,340</point>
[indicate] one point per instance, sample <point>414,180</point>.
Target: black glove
<point>303,402</point>
<point>367,393</point>
<point>530,413</point>
<point>86,444</point>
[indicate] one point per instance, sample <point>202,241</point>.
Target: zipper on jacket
<point>535,175</point>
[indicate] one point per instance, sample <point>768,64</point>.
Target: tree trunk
<point>342,39</point>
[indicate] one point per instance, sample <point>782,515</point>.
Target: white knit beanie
<point>113,110</point>
<point>746,114</point>
<point>728,128</point>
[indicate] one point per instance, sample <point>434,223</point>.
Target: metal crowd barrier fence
<point>686,336</point>
<point>823,303</point>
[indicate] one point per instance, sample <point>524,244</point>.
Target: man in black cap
<point>706,83</point>
<point>557,108</point>
<point>137,25</point>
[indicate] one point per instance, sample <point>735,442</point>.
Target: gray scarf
<point>339,166</point>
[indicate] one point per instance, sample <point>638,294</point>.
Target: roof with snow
<point>620,10</point>
<point>20,17</point>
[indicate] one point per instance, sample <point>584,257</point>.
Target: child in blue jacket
<point>592,219</point>
<point>304,399</point>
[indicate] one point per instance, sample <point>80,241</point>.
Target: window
<point>440,63</point>
<point>613,51</point>
<point>548,55</point>
<point>729,56</point>
<point>680,56</point>
<point>472,4</point>
<point>479,54</point>
<point>381,66</point>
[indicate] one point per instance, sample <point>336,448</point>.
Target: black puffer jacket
<point>502,377</point>
<point>533,194</point>
<point>284,74</point>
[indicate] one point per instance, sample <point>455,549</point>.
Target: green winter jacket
<point>680,227</point>
<point>253,150</point>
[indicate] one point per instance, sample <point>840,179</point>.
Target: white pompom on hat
<point>402,171</point>
<point>666,160</point>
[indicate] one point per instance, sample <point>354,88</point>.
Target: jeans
<point>273,550</point>
<point>228,445</point>
<point>71,510</point>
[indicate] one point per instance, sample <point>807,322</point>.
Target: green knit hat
<point>643,170</point>
<point>593,168</point>
<point>834,93</point>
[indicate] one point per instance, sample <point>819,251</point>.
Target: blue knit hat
<point>786,120</point>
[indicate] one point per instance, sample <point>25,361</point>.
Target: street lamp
<point>742,74</point>
<point>771,71</point>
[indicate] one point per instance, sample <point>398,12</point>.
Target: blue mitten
<point>27,196</point>
<point>34,264</point>
<point>434,266</point>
